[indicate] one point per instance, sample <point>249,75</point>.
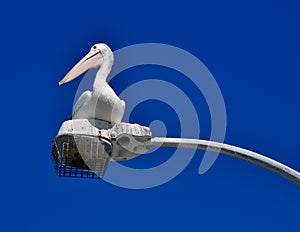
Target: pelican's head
<point>98,54</point>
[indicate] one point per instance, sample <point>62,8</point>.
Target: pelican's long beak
<point>91,60</point>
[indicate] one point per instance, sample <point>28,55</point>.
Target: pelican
<point>101,103</point>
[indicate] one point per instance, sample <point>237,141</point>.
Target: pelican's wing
<point>81,101</point>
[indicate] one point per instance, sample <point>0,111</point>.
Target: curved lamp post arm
<point>237,152</point>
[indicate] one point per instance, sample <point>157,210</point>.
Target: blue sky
<point>252,50</point>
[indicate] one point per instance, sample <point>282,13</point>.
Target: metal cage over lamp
<point>83,148</point>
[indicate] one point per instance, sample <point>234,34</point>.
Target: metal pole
<point>237,152</point>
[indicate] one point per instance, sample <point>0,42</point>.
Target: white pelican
<point>102,103</point>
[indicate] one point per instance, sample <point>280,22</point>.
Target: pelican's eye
<point>95,47</point>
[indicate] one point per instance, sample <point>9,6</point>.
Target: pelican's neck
<point>103,72</point>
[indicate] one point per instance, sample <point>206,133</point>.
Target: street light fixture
<point>83,148</point>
